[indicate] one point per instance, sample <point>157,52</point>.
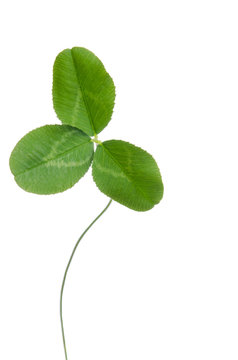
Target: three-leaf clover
<point>53,158</point>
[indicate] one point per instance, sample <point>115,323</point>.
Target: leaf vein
<point>83,95</point>
<point>126,174</point>
<point>55,158</point>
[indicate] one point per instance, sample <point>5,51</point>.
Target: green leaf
<point>127,174</point>
<point>83,92</point>
<point>51,159</point>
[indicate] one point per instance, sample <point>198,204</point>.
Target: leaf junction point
<point>95,139</point>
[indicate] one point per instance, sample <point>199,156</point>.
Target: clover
<point>53,158</point>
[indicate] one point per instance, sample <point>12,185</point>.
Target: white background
<point>156,285</point>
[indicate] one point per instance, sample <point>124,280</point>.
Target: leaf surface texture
<point>83,92</point>
<point>51,159</point>
<point>127,174</point>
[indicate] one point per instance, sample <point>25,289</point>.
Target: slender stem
<point>66,271</point>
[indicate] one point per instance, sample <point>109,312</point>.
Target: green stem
<point>66,271</point>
